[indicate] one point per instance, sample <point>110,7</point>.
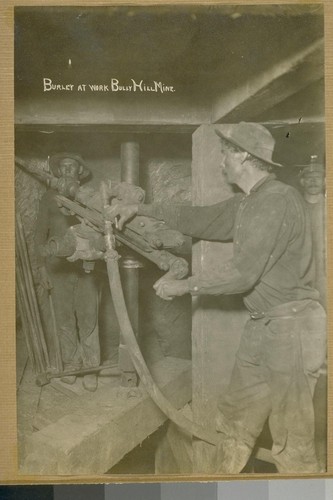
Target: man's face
<point>231,163</point>
<point>69,168</point>
<point>313,183</point>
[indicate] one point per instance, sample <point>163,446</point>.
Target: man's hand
<point>168,289</point>
<point>86,254</point>
<point>44,278</point>
<point>124,212</point>
<point>67,187</point>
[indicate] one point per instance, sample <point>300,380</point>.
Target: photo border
<point>8,428</point>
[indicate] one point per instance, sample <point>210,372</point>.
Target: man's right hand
<point>44,278</point>
<point>119,214</point>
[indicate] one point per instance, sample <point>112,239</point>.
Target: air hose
<point>139,363</point>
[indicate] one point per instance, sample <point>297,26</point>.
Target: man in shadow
<point>74,292</point>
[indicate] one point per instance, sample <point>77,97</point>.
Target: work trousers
<point>274,377</point>
<point>75,298</point>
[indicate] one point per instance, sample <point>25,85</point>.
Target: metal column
<point>130,160</point>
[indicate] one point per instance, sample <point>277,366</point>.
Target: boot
<point>90,382</point>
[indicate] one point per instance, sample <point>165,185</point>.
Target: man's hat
<point>54,163</point>
<point>314,166</point>
<point>252,138</point>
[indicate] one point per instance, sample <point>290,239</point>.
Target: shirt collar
<point>262,181</point>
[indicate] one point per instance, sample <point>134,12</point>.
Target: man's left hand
<point>168,289</point>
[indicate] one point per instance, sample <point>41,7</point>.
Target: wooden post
<point>217,322</point>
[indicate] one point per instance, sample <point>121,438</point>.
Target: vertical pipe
<point>130,161</point>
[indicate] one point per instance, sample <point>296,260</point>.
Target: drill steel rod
<point>162,258</point>
<point>46,377</point>
<point>55,337</point>
<point>31,291</point>
<point>129,237</point>
<point>31,294</point>
<point>26,329</point>
<point>30,298</point>
<point>28,321</point>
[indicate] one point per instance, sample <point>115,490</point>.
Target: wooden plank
<point>217,322</point>
<point>113,421</point>
<point>272,86</point>
<point>59,399</point>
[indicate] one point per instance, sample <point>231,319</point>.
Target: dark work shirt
<point>271,233</point>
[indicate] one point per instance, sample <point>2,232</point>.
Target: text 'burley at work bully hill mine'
<point>114,86</point>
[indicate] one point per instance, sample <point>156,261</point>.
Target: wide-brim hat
<point>54,163</point>
<point>252,138</point>
<point>313,167</point>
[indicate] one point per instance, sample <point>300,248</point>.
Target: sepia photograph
<point>170,240</point>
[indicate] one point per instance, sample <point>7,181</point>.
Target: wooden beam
<point>113,422</point>
<point>217,321</point>
<point>116,128</point>
<point>109,109</point>
<point>272,86</point>
<point>294,121</point>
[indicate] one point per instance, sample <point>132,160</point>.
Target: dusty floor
<point>38,407</point>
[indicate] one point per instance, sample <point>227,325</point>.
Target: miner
<point>74,292</point>
<point>283,344</point>
<point>312,180</point>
